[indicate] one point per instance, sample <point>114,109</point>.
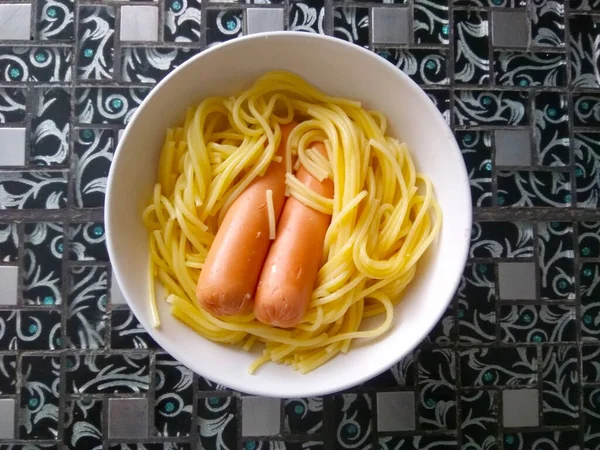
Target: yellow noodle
<point>384,213</point>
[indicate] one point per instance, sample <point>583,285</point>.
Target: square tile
<point>395,411</point>
<point>12,146</point>
<point>127,418</point>
<point>390,25</point>
<point>116,296</point>
<point>15,21</point>
<point>509,28</point>
<point>139,23</point>
<point>516,281</point>
<point>260,416</point>
<point>513,147</point>
<point>264,19</point>
<point>520,408</point>
<point>7,423</point>
<point>9,280</point>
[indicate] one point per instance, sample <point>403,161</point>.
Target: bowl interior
<point>337,68</point>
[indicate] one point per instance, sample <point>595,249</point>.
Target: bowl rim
<point>332,386</point>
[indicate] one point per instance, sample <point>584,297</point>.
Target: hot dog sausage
<point>230,273</point>
<point>290,271</point>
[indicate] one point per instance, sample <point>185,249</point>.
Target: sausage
<point>289,274</point>
<point>230,272</point>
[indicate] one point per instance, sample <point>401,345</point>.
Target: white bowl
<point>338,68</point>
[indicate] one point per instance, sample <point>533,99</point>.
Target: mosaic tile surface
<point>513,364</point>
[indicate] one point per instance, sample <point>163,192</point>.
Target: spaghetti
<point>384,214</point>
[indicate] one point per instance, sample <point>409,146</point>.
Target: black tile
<point>307,15</point>
<point>116,374</point>
<point>471,48</point>
<point>476,304</point>
<point>437,373</point>
<point>491,108</point>
<point>38,410</point>
<point>42,263</point>
<point>95,42</point>
<point>174,397</point>
<point>303,415</point>
<point>476,148</point>
<point>87,307</point>
<point>352,25</point>
<point>501,240</point>
<point>87,242</point>
<point>352,416</point>
<point>499,366</point>
<point>126,332</point>
<point>50,130</point>
<point>83,424</point>
<point>222,411</point>
<point>223,25</point>
<point>182,20</point>
<point>93,153</point>
<point>8,373</point>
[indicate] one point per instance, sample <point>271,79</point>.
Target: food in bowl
<point>284,217</point>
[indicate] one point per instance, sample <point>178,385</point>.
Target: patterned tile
<point>479,417</point>
<point>174,398</point>
<point>507,366</point>
<point>12,105</point>
<point>96,48</point>
<point>501,240</point>
<point>534,324</point>
<point>557,270</point>
<point>50,133</point>
<point>44,63</point>
<point>589,281</point>
<point>441,442</point>
<point>529,69</point>
<point>476,304</point>
<point>534,188</point>
<point>480,366</point>
<point>182,20</point>
<point>152,64</point>
<point>587,168</point>
<point>476,148</point>
<point>107,105</point>
<point>491,108</point>
<point>547,23</point>
<point>352,413</point>
<point>40,384</point>
<point>223,26</point>
<point>430,22</point>
<point>471,46</point>
<point>55,21</point>
<point>560,394</point>
<point>585,31</point>
<point>423,66</point>
<point>558,439</point>
<point>352,25</point>
<point>551,131</point>
<point>115,374</point>
<point>87,242</point>
<point>83,424</point>
<point>42,258</point>
<point>303,415</point>
<point>127,333</point>
<point>307,16</point>
<point>217,422</point>
<point>589,239</point>
<point>87,307</point>
<point>92,156</point>
<point>437,373</point>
